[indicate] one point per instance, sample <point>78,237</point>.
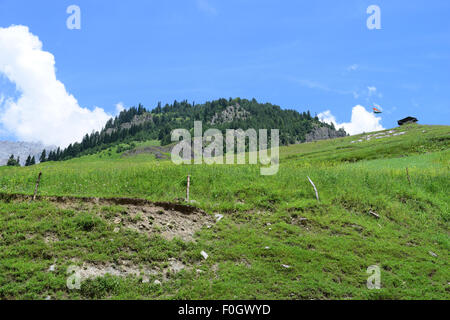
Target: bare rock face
<point>229,114</point>
<point>21,149</point>
<point>137,121</point>
<point>323,133</point>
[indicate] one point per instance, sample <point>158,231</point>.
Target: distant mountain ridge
<point>22,150</point>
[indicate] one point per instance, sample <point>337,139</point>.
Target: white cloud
<point>353,67</point>
<point>119,107</point>
<point>361,121</point>
<point>205,6</point>
<point>44,111</point>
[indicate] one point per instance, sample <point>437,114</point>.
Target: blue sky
<point>316,55</point>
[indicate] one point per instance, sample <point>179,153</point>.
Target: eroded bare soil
<point>171,220</point>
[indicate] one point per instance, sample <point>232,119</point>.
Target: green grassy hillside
<point>275,241</point>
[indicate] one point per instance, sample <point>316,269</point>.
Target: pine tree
<point>43,156</point>
<point>33,161</point>
<point>27,162</point>
<point>12,162</point>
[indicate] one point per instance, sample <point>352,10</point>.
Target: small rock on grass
<point>286,266</point>
<point>204,255</point>
<point>157,282</point>
<point>432,254</point>
<point>219,217</point>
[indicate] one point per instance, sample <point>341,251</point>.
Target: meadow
<point>276,241</point>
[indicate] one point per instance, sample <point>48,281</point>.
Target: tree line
<point>140,124</point>
<point>13,162</point>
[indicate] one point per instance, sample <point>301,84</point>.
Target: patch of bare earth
<point>128,269</point>
<point>170,220</point>
<point>159,152</point>
<point>169,223</point>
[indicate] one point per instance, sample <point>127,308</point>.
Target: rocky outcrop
<point>137,121</point>
<point>323,133</point>
<point>229,114</point>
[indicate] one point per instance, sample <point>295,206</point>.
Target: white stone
<point>204,255</point>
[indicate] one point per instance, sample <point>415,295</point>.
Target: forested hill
<point>140,124</point>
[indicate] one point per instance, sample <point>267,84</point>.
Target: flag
<point>376,111</point>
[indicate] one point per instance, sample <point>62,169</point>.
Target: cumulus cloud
<point>119,107</point>
<point>44,110</point>
<point>361,121</point>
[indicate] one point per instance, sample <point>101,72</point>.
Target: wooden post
<point>187,188</point>
<point>315,189</point>
<point>37,185</point>
<point>407,176</point>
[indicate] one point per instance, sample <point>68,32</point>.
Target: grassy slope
<point>328,254</point>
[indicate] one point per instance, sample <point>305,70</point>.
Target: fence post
<point>407,176</point>
<point>187,188</point>
<point>37,185</point>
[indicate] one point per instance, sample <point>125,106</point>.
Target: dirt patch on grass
<point>170,220</point>
<point>309,224</point>
<point>159,152</point>
<point>50,237</point>
<point>90,271</point>
<point>155,219</point>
